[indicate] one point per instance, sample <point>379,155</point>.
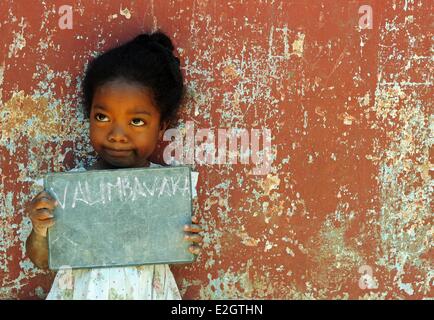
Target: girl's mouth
<point>117,153</point>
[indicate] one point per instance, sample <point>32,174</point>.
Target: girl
<point>131,94</point>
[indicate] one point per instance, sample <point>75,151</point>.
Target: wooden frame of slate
<point>120,217</point>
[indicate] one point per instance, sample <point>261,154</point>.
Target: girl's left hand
<point>192,235</point>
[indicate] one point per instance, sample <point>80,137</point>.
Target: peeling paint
<point>125,12</point>
<point>297,45</point>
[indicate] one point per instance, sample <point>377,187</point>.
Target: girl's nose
<point>117,135</point>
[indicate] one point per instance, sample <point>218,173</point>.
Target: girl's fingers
<point>44,224</point>
<point>41,214</point>
<point>195,228</point>
<point>193,238</point>
<point>42,194</point>
<point>45,203</point>
<point>43,200</point>
<point>194,249</point>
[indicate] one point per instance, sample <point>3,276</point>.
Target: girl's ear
<point>163,127</point>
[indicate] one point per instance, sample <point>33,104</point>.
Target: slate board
<point>119,217</point>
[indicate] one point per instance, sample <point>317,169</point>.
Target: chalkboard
<point>120,217</point>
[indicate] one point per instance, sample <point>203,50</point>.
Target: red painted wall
<point>349,112</point>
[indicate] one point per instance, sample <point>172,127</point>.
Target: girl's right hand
<point>40,211</point>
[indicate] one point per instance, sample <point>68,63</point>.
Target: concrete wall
<point>345,211</point>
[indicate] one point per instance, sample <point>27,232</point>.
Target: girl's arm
<point>40,211</point>
<point>37,250</point>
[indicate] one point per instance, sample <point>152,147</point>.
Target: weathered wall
<point>349,112</point>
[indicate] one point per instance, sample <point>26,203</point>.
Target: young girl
<point>131,94</point>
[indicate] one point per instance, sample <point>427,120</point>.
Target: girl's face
<point>124,124</point>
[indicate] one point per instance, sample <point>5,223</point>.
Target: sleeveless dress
<point>147,282</point>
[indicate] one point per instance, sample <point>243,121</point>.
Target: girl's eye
<point>100,117</point>
<point>138,122</point>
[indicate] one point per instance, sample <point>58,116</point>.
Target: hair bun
<point>156,37</point>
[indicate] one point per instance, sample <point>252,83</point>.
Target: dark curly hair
<point>147,60</point>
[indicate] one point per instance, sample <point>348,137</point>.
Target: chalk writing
<point>124,189</point>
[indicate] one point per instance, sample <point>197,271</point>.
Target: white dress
<point>147,282</point>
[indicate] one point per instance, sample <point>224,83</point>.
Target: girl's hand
<point>192,235</point>
<point>40,211</point>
